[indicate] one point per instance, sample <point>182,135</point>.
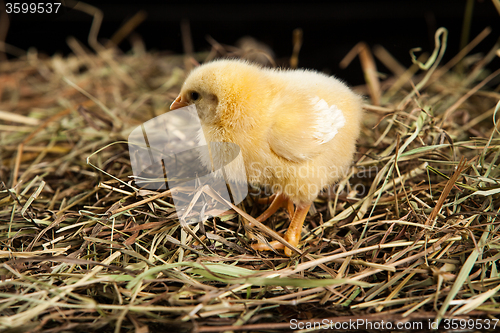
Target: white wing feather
<point>329,119</point>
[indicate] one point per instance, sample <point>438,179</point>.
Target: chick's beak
<point>178,103</point>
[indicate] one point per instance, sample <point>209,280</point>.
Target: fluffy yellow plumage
<point>296,129</point>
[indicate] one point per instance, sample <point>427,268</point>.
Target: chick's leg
<point>280,200</point>
<point>265,201</point>
<point>292,235</point>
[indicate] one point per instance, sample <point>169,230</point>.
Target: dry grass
<point>411,235</point>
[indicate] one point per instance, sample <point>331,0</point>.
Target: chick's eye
<point>195,95</point>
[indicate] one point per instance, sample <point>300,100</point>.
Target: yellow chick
<point>297,129</point>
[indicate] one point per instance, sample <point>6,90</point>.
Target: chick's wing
<point>300,131</point>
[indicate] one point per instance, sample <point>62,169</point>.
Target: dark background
<point>330,29</point>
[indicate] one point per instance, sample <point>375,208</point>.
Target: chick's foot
<point>292,235</point>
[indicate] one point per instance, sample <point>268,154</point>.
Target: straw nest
<point>410,236</point>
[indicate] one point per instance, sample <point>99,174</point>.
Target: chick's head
<point>223,92</point>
